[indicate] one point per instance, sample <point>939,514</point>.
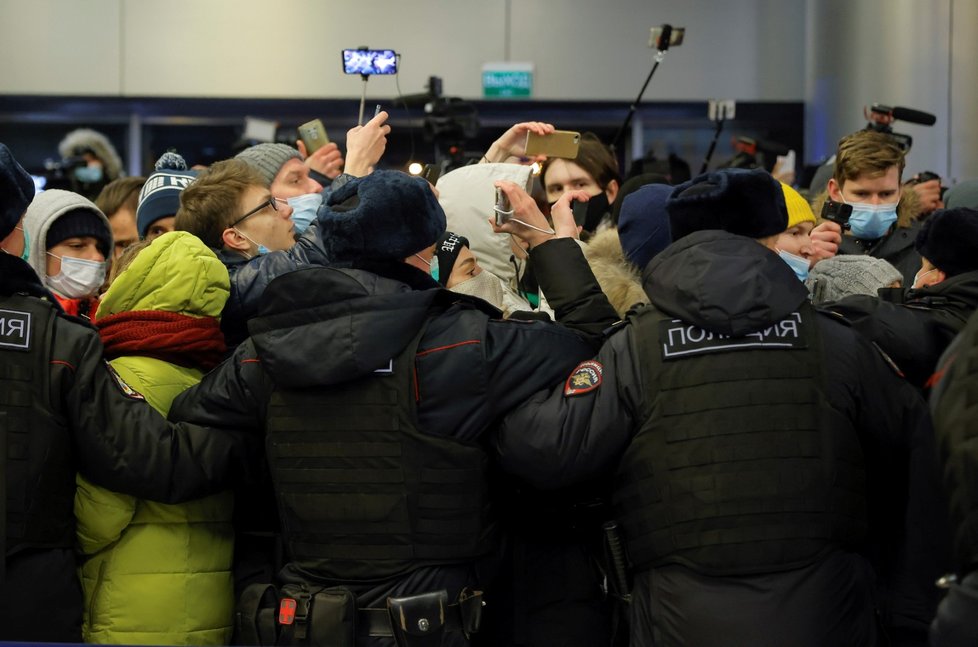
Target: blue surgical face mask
<point>304,209</point>
<point>798,264</point>
<point>24,255</point>
<point>871,221</point>
<point>88,174</point>
<point>432,265</point>
<point>261,251</point>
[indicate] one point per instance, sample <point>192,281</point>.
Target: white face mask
<point>484,285</point>
<point>918,276</point>
<point>78,278</point>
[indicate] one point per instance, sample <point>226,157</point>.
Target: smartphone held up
<point>313,135</point>
<point>560,143</point>
<point>503,207</point>
<point>369,61</point>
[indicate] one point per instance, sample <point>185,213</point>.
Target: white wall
<point>747,49</point>
<point>900,53</point>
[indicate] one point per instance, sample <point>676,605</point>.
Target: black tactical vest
<point>740,466</point>
<point>362,493</point>
<point>38,466</point>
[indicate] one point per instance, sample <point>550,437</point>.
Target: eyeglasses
<point>271,202</point>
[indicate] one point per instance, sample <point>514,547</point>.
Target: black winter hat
<point>949,240</point>
<point>16,191</point>
<point>447,249</point>
<point>745,202</point>
<point>387,215</point>
<point>80,222</point>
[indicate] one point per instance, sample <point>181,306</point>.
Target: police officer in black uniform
<point>748,434</point>
<point>63,410</point>
<point>374,387</point>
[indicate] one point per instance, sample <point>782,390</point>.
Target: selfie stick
<point>660,53</point>
<point>363,98</point>
<point>713,144</point>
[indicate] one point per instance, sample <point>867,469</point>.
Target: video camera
<point>448,122</point>
<point>880,117</point>
<point>59,174</point>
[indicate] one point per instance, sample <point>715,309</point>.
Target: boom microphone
<point>914,116</point>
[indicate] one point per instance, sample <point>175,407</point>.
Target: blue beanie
<point>16,191</point>
<point>643,224</point>
<point>744,202</point>
<point>385,215</point>
<point>160,195</point>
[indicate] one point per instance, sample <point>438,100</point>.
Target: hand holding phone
<point>313,135</point>
<point>560,143</point>
<point>503,207</point>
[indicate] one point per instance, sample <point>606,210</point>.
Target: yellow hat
<point>798,208</point>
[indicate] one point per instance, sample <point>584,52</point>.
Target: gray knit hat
<point>842,276</point>
<point>267,159</point>
<point>47,208</point>
<point>962,194</point>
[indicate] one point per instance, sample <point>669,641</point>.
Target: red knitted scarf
<point>194,342</point>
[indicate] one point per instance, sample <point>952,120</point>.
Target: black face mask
<point>597,207</point>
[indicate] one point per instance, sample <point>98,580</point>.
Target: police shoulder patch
<point>127,390</point>
<point>584,379</point>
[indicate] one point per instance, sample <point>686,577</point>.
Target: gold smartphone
<point>313,135</point>
<point>560,143</point>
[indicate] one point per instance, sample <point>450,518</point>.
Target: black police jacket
<point>733,286</point>
<point>324,326</point>
<point>66,411</point>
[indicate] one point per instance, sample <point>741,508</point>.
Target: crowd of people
<point>301,399</point>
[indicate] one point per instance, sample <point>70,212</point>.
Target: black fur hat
<point>949,240</point>
<point>16,191</point>
<point>745,202</point>
<point>385,215</point>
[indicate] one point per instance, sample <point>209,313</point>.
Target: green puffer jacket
<point>159,574</point>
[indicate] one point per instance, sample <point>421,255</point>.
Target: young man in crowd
<point>883,223</point>
<point>159,199</point>
<point>118,201</point>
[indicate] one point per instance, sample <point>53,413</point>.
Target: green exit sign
<point>507,80</point>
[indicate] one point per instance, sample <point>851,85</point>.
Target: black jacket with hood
<point>732,285</point>
<point>322,326</point>
<point>916,332</point>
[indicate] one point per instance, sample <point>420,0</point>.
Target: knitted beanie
<point>643,224</point>
<point>447,249</point>
<point>387,215</point>
<point>744,202</point>
<point>841,276</point>
<point>16,191</point>
<point>268,159</point>
<point>962,194</point>
<point>160,195</point>
<point>949,240</point>
<point>799,210</point>
<point>44,213</point>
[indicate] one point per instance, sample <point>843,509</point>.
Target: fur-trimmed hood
<point>619,279</point>
<point>100,146</point>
